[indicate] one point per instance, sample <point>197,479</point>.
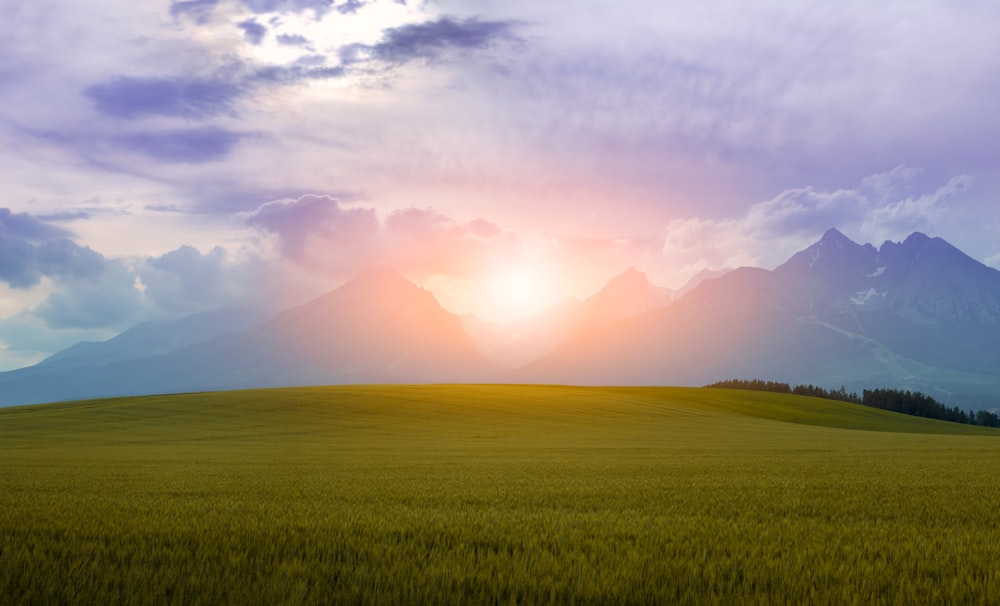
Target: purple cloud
<point>28,227</point>
<point>31,248</point>
<point>195,145</point>
<point>288,6</point>
<point>65,258</point>
<point>426,40</point>
<point>198,9</point>
<point>127,97</point>
<point>292,40</point>
<point>298,222</point>
<point>317,232</point>
<point>351,6</point>
<point>17,262</point>
<point>253,32</point>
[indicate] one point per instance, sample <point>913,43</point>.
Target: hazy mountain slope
<point>376,328</point>
<point>379,326</point>
<point>154,338</point>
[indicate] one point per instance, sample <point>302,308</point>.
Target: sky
<point>162,158</point>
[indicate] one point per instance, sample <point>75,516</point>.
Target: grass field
<point>495,495</point>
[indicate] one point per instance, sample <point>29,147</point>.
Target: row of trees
<point>907,402</point>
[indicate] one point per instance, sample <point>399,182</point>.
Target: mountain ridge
<point>917,314</point>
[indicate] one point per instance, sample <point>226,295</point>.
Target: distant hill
<point>155,338</point>
<point>918,315</point>
<point>378,327</point>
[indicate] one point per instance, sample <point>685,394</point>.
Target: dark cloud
<point>351,6</point>
<point>253,32</point>
<point>426,40</point>
<point>302,70</point>
<point>65,258</point>
<point>127,97</point>
<point>297,223</point>
<point>195,145</point>
<point>288,6</point>
<point>292,40</point>
<point>22,264</point>
<point>17,262</point>
<point>28,227</point>
<point>31,248</point>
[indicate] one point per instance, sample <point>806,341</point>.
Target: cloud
<point>185,280</point>
<point>66,259</point>
<point>349,7</point>
<point>288,6</point>
<point>28,227</point>
<point>891,183</point>
<point>88,290</point>
<point>312,222</point>
<point>253,32</point>
<point>104,297</point>
<point>71,215</point>
<point>920,213</point>
<point>318,232</point>
<point>200,10</point>
<point>806,211</point>
<point>422,242</point>
<point>183,97</point>
<point>771,230</point>
<point>429,39</point>
<point>292,40</point>
<point>17,262</point>
<point>83,289</point>
<point>194,145</point>
<point>31,248</point>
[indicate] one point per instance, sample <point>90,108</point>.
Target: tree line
<point>907,402</point>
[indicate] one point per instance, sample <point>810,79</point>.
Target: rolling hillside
<point>478,494</point>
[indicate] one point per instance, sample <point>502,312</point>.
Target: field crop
<point>494,495</point>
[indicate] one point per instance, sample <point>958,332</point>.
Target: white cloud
<point>772,230</point>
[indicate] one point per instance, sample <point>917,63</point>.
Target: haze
<point>160,159</point>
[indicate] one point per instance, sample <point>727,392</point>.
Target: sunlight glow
<point>324,37</point>
<point>519,291</point>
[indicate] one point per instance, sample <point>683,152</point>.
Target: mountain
<point>919,314</point>
<point>625,295</point>
<point>155,338</point>
<point>698,278</point>
<point>378,327</point>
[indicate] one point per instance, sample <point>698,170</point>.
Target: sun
<point>518,292</point>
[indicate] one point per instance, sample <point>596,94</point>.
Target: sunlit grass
<point>493,494</point>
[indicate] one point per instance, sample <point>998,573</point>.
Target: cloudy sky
<point>159,158</point>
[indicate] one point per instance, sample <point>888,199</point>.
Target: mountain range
<point>917,314</point>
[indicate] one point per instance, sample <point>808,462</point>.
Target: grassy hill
<point>497,494</point>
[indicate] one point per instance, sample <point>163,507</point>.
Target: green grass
<point>494,494</point>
